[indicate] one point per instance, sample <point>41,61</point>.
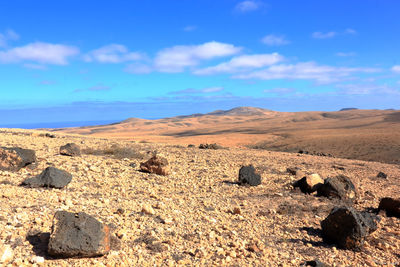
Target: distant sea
<point>64,124</point>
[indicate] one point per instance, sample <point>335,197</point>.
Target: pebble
<point>148,209</point>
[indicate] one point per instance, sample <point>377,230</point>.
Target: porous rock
<point>78,235</point>
<point>248,175</point>
<point>348,228</point>
<point>50,177</point>
<point>15,158</point>
<point>70,149</point>
<point>340,187</point>
<point>156,164</point>
<point>391,206</point>
<point>310,183</point>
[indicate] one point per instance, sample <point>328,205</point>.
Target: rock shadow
<point>312,232</point>
<point>40,243</point>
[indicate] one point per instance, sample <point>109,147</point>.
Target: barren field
<point>199,215</point>
<point>372,135</point>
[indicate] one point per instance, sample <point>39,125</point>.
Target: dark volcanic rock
<point>309,183</point>
<point>157,165</point>
<point>210,146</point>
<point>70,149</point>
<point>78,235</point>
<point>15,158</point>
<point>248,175</point>
<point>347,227</point>
<point>314,263</point>
<point>50,177</point>
<point>382,175</point>
<point>391,206</point>
<point>340,187</point>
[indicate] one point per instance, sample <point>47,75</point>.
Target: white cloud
<point>43,53</point>
<point>96,88</point>
<point>113,53</point>
<point>396,68</point>
<point>247,6</point>
<point>189,28</point>
<point>275,40</point>
<point>344,54</point>
<point>138,68</point>
<point>9,35</point>
<point>207,90</point>
<point>321,35</point>
<point>177,58</point>
<point>350,31</point>
<point>305,71</point>
<point>331,34</point>
<point>242,63</point>
<point>280,91</point>
<point>367,89</point>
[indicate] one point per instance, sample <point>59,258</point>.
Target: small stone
<point>50,177</point>
<point>236,210</point>
<point>37,260</point>
<point>314,263</point>
<point>248,175</point>
<point>340,187</point>
<point>15,158</point>
<point>148,209</point>
<point>6,253</point>
<point>382,175</point>
<point>391,206</point>
<point>309,183</point>
<point>156,164</point>
<point>78,235</point>
<point>70,149</point>
<point>347,227</point>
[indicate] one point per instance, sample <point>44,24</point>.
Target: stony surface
<point>15,158</point>
<point>193,223</point>
<point>70,149</point>
<point>50,177</point>
<point>347,227</point>
<point>156,164</point>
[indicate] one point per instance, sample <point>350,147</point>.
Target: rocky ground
<point>196,215</point>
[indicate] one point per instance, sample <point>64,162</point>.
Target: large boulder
<point>78,235</point>
<point>15,158</point>
<point>340,187</point>
<point>309,183</point>
<point>248,175</point>
<point>391,206</point>
<point>156,164</point>
<point>348,228</point>
<point>70,149</point>
<point>50,177</point>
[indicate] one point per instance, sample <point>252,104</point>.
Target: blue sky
<point>109,60</point>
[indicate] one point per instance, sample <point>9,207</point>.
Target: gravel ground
<point>195,216</point>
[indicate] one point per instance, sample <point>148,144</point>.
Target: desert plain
<point>198,215</point>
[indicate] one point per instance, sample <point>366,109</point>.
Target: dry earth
<point>192,222</point>
<point>356,134</point>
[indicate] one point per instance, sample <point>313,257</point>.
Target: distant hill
<point>372,135</point>
<point>346,109</point>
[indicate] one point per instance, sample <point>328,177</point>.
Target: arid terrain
<point>198,215</point>
<point>372,135</point>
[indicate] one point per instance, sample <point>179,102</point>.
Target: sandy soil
<point>356,134</point>
<point>193,223</point>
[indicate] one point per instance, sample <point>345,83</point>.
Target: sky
<point>94,60</point>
